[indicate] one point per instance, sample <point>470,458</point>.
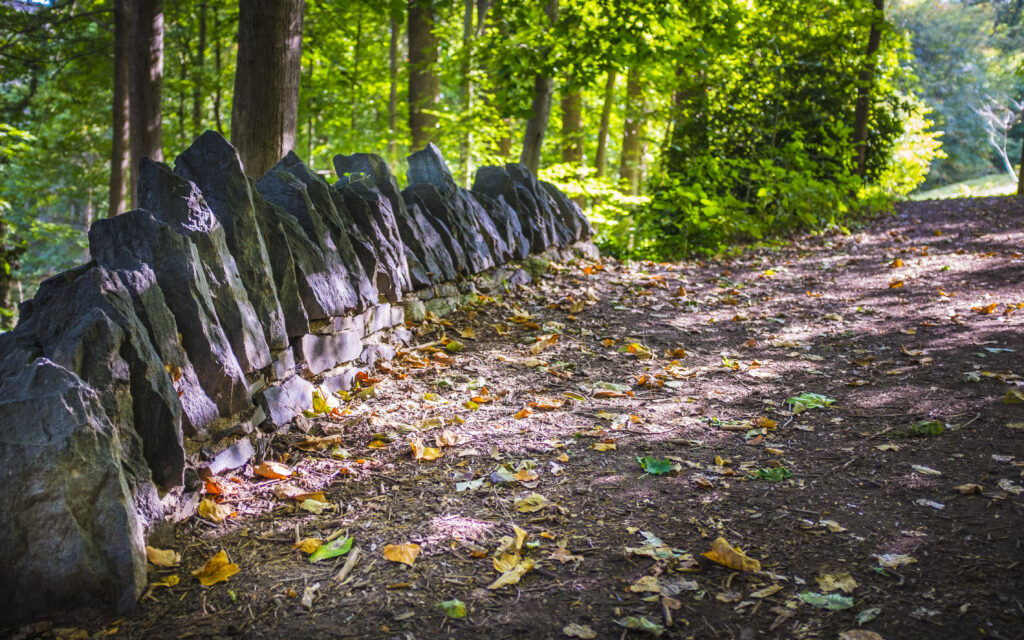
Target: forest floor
<point>893,511</point>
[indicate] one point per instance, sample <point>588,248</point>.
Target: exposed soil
<point>823,315</point>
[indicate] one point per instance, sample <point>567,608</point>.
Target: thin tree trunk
<point>424,86</point>
<point>864,81</point>
<point>119,152</point>
<point>393,92</point>
<point>466,146</point>
<point>145,81</point>
<point>197,74</point>
<point>601,157</point>
<point>632,135</point>
<point>265,110</point>
<point>540,107</point>
<point>182,83</point>
<point>356,49</point>
<point>1020,171</point>
<point>572,125</point>
<point>218,67</point>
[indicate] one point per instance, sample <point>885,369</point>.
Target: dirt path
<point>913,328</point>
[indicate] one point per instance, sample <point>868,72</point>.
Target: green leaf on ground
<point>832,602</point>
<point>808,400</point>
<point>640,623</point>
<point>455,609</point>
<point>333,549</point>
<point>868,615</point>
<point>778,474</point>
<point>654,466</point>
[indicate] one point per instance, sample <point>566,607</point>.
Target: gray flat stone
<point>323,352</point>
<point>287,400</point>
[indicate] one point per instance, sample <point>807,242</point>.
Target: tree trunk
<point>424,86</point>
<point>466,145</point>
<point>864,81</point>
<point>146,69</point>
<point>601,157</point>
<point>393,92</point>
<point>572,124</point>
<point>266,104</point>
<point>119,152</point>
<point>540,107</point>
<point>217,67</point>
<point>1020,171</point>
<point>633,133</point>
<point>197,74</point>
<point>354,87</point>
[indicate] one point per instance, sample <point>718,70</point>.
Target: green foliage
<point>654,466</point>
<point>775,474</point>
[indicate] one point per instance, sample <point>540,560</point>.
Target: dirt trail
<point>913,327</point>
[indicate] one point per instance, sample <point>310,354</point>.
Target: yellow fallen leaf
<point>565,458</point>
<point>521,535</point>
<point>506,562</point>
<point>162,557</point>
<point>836,582</point>
<point>212,511</point>
<point>526,475</point>
<point>531,503</point>
<point>405,553</point>
<point>272,470</point>
<point>968,489</point>
<point>604,446</point>
<point>308,545</point>
<point>644,584</point>
<point>468,332</point>
<point>421,452</point>
<point>217,569</point>
<point>513,575</point>
<point>728,556</point>
<point>765,423</point>
<point>1013,397</point>
<point>1015,425</point>
<point>169,581</point>
<point>767,591</point>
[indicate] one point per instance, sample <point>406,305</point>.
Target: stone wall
<point>212,310</point>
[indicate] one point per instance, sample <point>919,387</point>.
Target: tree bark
<point>633,133</point>
<point>217,68</point>
<point>540,107</point>
<point>146,69</point>
<point>424,85</point>
<point>266,103</point>
<point>119,151</point>
<point>197,74</point>
<point>1020,172</point>
<point>354,87</point>
<point>864,81</point>
<point>601,157</point>
<point>466,90</point>
<point>393,92</point>
<point>572,124</point>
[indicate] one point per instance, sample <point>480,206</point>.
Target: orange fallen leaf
<point>729,556</point>
<point>896,284</point>
<point>896,263</point>
<point>522,413</point>
<point>985,310</point>
<point>272,470</point>
<point>405,553</point>
<point>308,545</point>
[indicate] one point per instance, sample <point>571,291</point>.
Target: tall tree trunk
<point>393,90</point>
<point>354,88</point>
<point>466,90</point>
<point>864,81</point>
<point>198,68</point>
<point>217,68</point>
<point>266,104</point>
<point>424,85</point>
<point>633,133</point>
<point>572,124</point>
<point>119,152</point>
<point>146,69</point>
<point>601,157</point>
<point>1020,170</point>
<point>540,107</point>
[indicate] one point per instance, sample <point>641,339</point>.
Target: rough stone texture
<point>84,321</point>
<point>514,184</point>
<point>287,400</point>
<point>539,205</point>
<point>137,237</point>
<point>178,203</point>
<point>283,363</point>
<point>569,213</point>
<point>212,164</point>
<point>507,224</point>
<point>323,352</point>
<point>292,186</point>
<point>232,457</point>
<point>73,532</point>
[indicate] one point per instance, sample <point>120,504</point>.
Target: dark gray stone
<point>84,321</point>
<point>135,237</point>
<point>303,194</point>
<point>237,455</point>
<point>212,164</point>
<point>464,240</point>
<point>521,191</point>
<point>300,273</point>
<point>507,224</point>
<point>287,400</point>
<point>73,531</point>
<point>426,257</point>
<point>321,353</point>
<point>533,197</point>
<point>178,203</point>
<point>569,213</point>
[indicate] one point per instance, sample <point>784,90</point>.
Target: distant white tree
<point>999,117</point>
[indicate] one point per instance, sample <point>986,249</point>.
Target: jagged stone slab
<point>519,189</point>
<point>569,213</point>
<point>73,530</point>
<point>532,195</point>
<point>306,196</point>
<point>178,203</point>
<point>84,321</point>
<point>323,352</point>
<point>287,400</point>
<point>125,241</point>
<point>507,223</point>
<point>213,165</point>
<point>427,259</point>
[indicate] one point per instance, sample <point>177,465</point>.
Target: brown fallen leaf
<point>405,553</point>
<point>968,489</point>
<point>728,556</point>
<point>562,555</point>
<point>217,569</point>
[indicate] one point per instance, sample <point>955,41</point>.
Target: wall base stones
<point>206,320</point>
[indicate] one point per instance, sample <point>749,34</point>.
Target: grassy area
<point>997,184</point>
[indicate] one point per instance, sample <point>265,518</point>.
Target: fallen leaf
<point>732,557</point>
<point>645,584</point>
<point>531,503</point>
<point>333,549</point>
<point>968,489</point>
<point>314,506</point>
<point>640,623</point>
<point>405,553</point>
<point>513,575</point>
<point>562,555</point>
<point>505,562</point>
<point>836,581</point>
<point>421,452</point>
<point>217,569</point>
<point>894,560</point>
<point>162,557</point>
<point>169,581</point>
<point>832,602</point>
<point>308,545</point>
<point>859,634</point>
<point>212,511</point>
<point>604,446</point>
<point>1013,396</point>
<point>272,470</point>
<point>582,631</point>
<point>455,609</point>
<point>767,591</point>
<point>927,471</point>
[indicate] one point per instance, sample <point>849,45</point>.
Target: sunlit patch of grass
<point>998,184</point>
